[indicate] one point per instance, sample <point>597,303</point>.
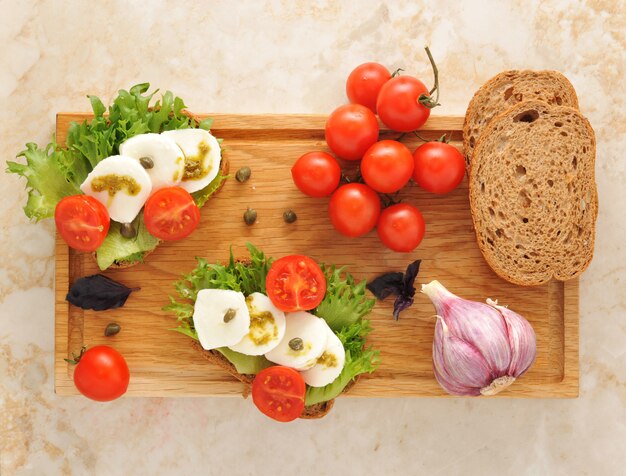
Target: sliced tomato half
<point>278,392</point>
<point>295,283</point>
<point>82,221</point>
<point>171,213</point>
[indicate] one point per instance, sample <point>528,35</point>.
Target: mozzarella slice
<point>267,326</point>
<point>220,317</point>
<point>121,185</point>
<point>166,158</point>
<point>311,330</point>
<point>202,157</point>
<point>329,365</point>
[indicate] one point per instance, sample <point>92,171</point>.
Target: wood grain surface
<point>163,363</point>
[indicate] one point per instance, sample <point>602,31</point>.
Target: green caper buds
<point>249,216</point>
<point>243,174</point>
<point>290,216</point>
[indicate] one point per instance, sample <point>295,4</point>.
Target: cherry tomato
<point>365,82</point>
<point>171,213</point>
<point>439,167</point>
<point>295,283</point>
<point>101,374</point>
<point>82,221</point>
<point>350,130</point>
<point>387,166</point>
<point>354,209</point>
<point>279,393</point>
<point>316,174</point>
<point>398,104</point>
<point>401,227</point>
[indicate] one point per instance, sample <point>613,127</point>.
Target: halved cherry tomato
<point>316,174</point>
<point>350,130</point>
<point>439,167</point>
<point>354,209</point>
<point>279,393</point>
<point>364,83</point>
<point>387,166</point>
<point>171,213</point>
<point>398,104</point>
<point>401,227</point>
<point>82,221</point>
<point>101,373</point>
<point>295,283</point>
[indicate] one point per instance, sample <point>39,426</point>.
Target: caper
<point>128,230</point>
<point>249,216</point>
<point>146,162</point>
<point>290,216</point>
<point>112,329</point>
<point>243,174</point>
<point>296,344</point>
<point>230,315</point>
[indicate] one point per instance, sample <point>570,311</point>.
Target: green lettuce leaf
<point>345,302</point>
<point>117,249</point>
<point>359,360</point>
<point>47,179</point>
<point>201,196</point>
<point>245,364</point>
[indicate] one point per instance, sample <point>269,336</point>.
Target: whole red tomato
<point>401,227</point>
<point>387,166</point>
<point>365,82</point>
<point>350,130</point>
<point>316,174</point>
<point>398,104</point>
<point>101,374</point>
<point>354,209</point>
<point>439,167</point>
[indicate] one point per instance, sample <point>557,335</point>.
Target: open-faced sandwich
<point>292,330</point>
<point>127,179</point>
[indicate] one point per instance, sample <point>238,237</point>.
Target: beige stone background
<point>282,56</point>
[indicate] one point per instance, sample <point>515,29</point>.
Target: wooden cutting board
<point>162,362</point>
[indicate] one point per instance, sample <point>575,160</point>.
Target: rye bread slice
<point>507,89</point>
<point>224,168</point>
<point>533,194</point>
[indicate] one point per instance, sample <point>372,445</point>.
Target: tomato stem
<point>76,358</point>
<point>427,99</point>
<point>420,137</point>
<point>396,72</point>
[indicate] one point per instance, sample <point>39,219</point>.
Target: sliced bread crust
<point>507,89</point>
<point>533,194</point>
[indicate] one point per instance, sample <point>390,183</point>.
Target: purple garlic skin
<point>479,349</point>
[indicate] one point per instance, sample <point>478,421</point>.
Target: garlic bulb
<point>479,349</point>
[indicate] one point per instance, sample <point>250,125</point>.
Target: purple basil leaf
<point>408,284</point>
<point>386,285</point>
<point>400,304</point>
<point>98,292</point>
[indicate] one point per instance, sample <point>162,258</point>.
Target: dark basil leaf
<point>386,285</point>
<point>98,292</point>
<point>401,285</point>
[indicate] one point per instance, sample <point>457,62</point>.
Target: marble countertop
<point>281,56</point>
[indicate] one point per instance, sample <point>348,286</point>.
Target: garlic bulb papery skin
<point>478,349</point>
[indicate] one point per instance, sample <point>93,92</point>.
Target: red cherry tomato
<point>439,167</point>
<point>82,221</point>
<point>171,213</point>
<point>101,374</point>
<point>350,130</point>
<point>365,82</point>
<point>387,166</point>
<point>295,283</point>
<point>316,174</point>
<point>398,104</point>
<point>354,209</point>
<point>401,227</point>
<point>278,392</point>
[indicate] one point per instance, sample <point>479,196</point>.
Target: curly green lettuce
<point>52,172</point>
<point>344,307</point>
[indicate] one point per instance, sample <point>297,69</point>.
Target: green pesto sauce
<point>114,183</point>
<point>327,360</point>
<point>194,169</point>
<point>263,328</point>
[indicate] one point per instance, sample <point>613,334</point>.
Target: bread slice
<point>224,168</point>
<point>507,89</point>
<point>533,194</point>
